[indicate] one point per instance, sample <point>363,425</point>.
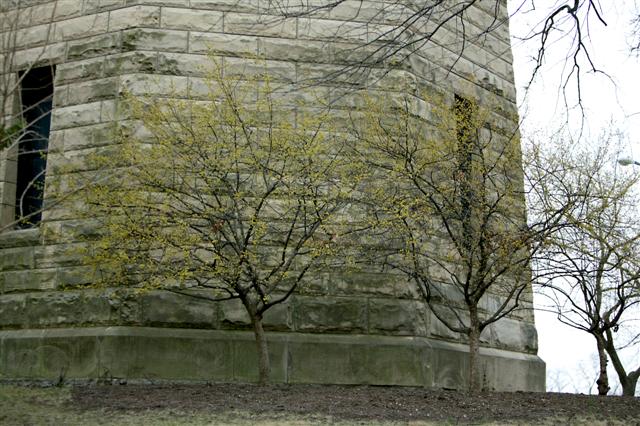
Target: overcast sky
<point>570,354</point>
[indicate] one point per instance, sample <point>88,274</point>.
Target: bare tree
<point>590,268</point>
<point>571,21</point>
<point>581,378</point>
<point>398,29</point>
<point>635,35</point>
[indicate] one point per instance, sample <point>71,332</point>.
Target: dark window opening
<point>36,91</point>
<point>465,111</point>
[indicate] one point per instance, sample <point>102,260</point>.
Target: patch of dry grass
<point>50,406</point>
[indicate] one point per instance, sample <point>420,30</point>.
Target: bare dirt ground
<point>302,404</point>
<point>357,403</point>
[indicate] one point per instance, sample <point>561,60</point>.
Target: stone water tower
<point>365,328</point>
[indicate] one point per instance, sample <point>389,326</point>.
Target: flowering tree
<point>447,195</point>
<point>238,196</point>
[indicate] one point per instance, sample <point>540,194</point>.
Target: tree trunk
<point>628,381</point>
<point>474,352</point>
<point>264,365</point>
<point>603,378</point>
<point>629,387</point>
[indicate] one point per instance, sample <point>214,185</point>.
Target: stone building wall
<point>354,328</point>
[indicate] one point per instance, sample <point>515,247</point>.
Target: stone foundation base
<point>138,353</point>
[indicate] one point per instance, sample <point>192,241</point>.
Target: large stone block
<point>439,329</point>
<point>450,366</point>
<point>151,39</point>
<point>19,238</point>
<point>250,68</point>
<point>33,36</point>
<point>392,363</point>
<point>12,311</point>
<point>363,11</point>
<point>83,26</point>
<point>154,85</point>
<point>293,50</point>
<point>178,310</point>
<point>260,24</point>
<point>130,62</point>
<point>183,64</point>
<point>514,334</point>
<point>100,45</point>
<point>223,44</point>
<point>35,356</point>
<point>233,314</point>
<point>75,276</point>
<point>87,69</point>
<point>279,317</point>
<point>339,314</point>
<point>324,29</point>
<point>34,279</point>
<point>44,13</point>
<point>370,283</point>
<point>39,56</point>
<point>17,258</point>
<point>512,372</point>
<point>192,20</point>
<point>125,306</point>
<point>78,138</point>
<point>151,354</point>
<point>227,5</point>
<point>69,9</point>
<point>67,308</point>
<point>245,360</point>
<point>398,317</point>
<point>58,255</point>
<point>135,16</point>
<point>92,91</point>
<point>170,3</point>
<point>92,6</point>
<point>361,359</point>
<point>76,115</point>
